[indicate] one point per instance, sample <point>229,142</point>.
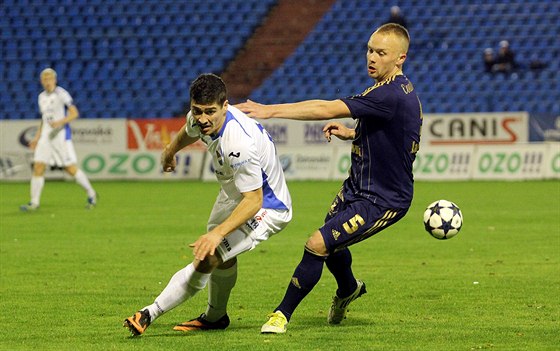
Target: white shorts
<point>264,224</point>
<point>55,152</point>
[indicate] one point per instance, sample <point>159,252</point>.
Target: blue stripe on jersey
<point>68,132</point>
<point>269,198</point>
<point>229,117</point>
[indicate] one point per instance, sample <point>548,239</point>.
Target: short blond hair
<point>398,30</point>
<point>48,71</point>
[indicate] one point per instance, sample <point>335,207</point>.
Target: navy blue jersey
<point>389,118</point>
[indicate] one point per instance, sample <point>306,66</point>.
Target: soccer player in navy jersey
<point>378,191</point>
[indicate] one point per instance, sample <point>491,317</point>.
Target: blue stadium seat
<point>445,56</point>
<point>135,44</point>
<point>100,31</point>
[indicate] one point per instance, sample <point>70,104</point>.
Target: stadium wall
<point>469,146</point>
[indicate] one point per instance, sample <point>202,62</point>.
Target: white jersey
<point>244,159</point>
<point>53,108</point>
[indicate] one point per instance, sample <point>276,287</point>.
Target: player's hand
<point>253,109</point>
<point>57,124</point>
<point>168,162</point>
<point>33,144</point>
<point>206,245</point>
<point>53,133</point>
<point>339,130</point>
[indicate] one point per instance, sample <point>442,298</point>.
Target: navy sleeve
<point>380,102</point>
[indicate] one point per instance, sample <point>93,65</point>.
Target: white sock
<point>37,184</point>
<point>183,285</point>
<point>221,283</point>
<point>83,180</point>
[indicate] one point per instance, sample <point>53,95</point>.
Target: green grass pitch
<point>70,276</point>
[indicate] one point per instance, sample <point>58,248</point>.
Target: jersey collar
<point>229,117</point>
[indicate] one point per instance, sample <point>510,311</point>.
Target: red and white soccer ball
<point>443,219</point>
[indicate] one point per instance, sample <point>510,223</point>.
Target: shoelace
<point>276,320</point>
<point>336,301</point>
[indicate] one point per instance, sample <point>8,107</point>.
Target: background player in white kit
<point>53,143</point>
<point>253,204</point>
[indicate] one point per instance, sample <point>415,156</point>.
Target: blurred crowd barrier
<point>460,146</point>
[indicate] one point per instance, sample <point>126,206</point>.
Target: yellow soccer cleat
<point>276,324</point>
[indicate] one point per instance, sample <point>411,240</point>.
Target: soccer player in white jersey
<point>253,204</point>
<point>53,143</point>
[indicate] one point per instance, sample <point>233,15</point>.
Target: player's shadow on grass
<point>303,324</point>
<point>320,321</point>
<point>166,331</point>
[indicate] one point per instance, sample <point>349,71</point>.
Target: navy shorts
<point>349,222</point>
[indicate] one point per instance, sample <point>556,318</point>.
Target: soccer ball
<point>443,219</point>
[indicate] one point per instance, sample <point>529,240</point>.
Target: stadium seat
<point>137,44</point>
<point>140,33</point>
<point>452,35</point>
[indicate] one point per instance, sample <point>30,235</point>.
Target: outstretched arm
<point>304,110</point>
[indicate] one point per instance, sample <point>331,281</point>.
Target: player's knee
<point>208,264</point>
<point>228,264</point>
<point>316,245</point>
<point>72,170</point>
<point>38,169</point>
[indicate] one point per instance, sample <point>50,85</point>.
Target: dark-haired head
<point>208,89</point>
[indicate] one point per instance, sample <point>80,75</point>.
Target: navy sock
<point>306,276</point>
<point>340,265</point>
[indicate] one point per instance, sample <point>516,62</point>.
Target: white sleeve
<point>66,97</point>
<point>244,161</point>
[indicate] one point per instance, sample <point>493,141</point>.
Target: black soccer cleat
<point>339,306</point>
<point>200,323</point>
<point>138,323</point>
